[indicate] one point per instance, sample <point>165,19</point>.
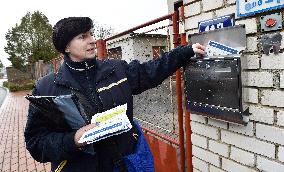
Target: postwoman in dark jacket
<point>100,85</point>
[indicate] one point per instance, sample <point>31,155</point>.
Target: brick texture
<point>262,114</point>
<point>192,22</point>
<point>219,148</point>
<point>250,24</point>
<point>258,79</point>
<point>13,154</point>
<point>192,9</point>
<point>250,95</point>
<point>250,62</point>
<point>206,156</point>
<point>200,165</point>
<point>265,164</point>
<point>242,156</point>
<point>272,61</point>
<point>211,4</point>
<point>280,118</point>
<point>259,146</point>
<point>272,98</point>
<point>204,130</point>
<point>199,140</point>
<point>232,166</point>
<point>270,133</point>
<point>248,143</point>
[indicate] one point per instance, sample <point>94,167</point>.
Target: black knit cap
<point>66,29</point>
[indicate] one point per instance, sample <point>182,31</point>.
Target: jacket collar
<point>64,76</point>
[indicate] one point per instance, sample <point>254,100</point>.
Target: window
<point>115,53</point>
<point>157,51</point>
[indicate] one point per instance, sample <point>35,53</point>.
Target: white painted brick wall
<point>272,61</point>
<point>206,156</point>
<point>215,169</point>
<point>270,133</point>
<point>258,79</point>
<point>192,22</point>
<point>197,118</point>
<point>261,114</point>
<point>212,4</point>
<point>226,11</point>
<point>200,165</point>
<point>232,166</point>
<point>216,123</point>
<point>264,164</point>
<point>251,44</point>
<point>281,153</point>
<point>246,130</point>
<point>238,140</point>
<point>248,143</point>
<point>242,156</point>
<point>204,130</point>
<point>250,95</point>
<point>280,118</point>
<point>199,140</point>
<point>250,62</point>
<point>219,148</point>
<point>282,79</point>
<point>192,9</point>
<point>250,24</point>
<point>273,98</point>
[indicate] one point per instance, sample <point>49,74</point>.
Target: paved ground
<point>13,155</point>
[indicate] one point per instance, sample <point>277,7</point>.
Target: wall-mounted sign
<point>271,22</point>
<point>216,23</point>
<point>250,7</point>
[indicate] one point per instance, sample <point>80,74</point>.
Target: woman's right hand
<point>198,49</point>
<point>80,133</point>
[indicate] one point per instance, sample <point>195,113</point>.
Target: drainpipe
<point>188,146</point>
<point>179,95</point>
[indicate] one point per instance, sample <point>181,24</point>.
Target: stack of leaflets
<point>108,123</point>
<point>217,49</point>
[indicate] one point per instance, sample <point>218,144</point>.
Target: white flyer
<point>109,123</point>
<point>214,48</point>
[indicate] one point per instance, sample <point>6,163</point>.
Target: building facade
<point>259,146</point>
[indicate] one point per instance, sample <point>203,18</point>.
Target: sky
<point>119,14</point>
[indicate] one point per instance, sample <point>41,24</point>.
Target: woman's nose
<point>92,40</point>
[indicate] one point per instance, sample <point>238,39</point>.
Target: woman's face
<point>82,47</point>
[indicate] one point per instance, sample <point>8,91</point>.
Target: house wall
<point>220,146</point>
<point>138,48</point>
<point>126,44</point>
<point>143,47</point>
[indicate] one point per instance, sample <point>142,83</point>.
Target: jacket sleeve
<point>152,73</point>
<point>44,144</point>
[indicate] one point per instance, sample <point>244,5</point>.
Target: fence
<point>40,68</point>
<point>158,110</point>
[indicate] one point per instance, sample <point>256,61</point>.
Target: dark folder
<point>54,106</point>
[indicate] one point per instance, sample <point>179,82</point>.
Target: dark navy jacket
<point>115,82</point>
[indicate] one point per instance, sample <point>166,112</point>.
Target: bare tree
<point>102,31</point>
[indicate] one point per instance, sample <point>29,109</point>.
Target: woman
<point>100,86</point>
